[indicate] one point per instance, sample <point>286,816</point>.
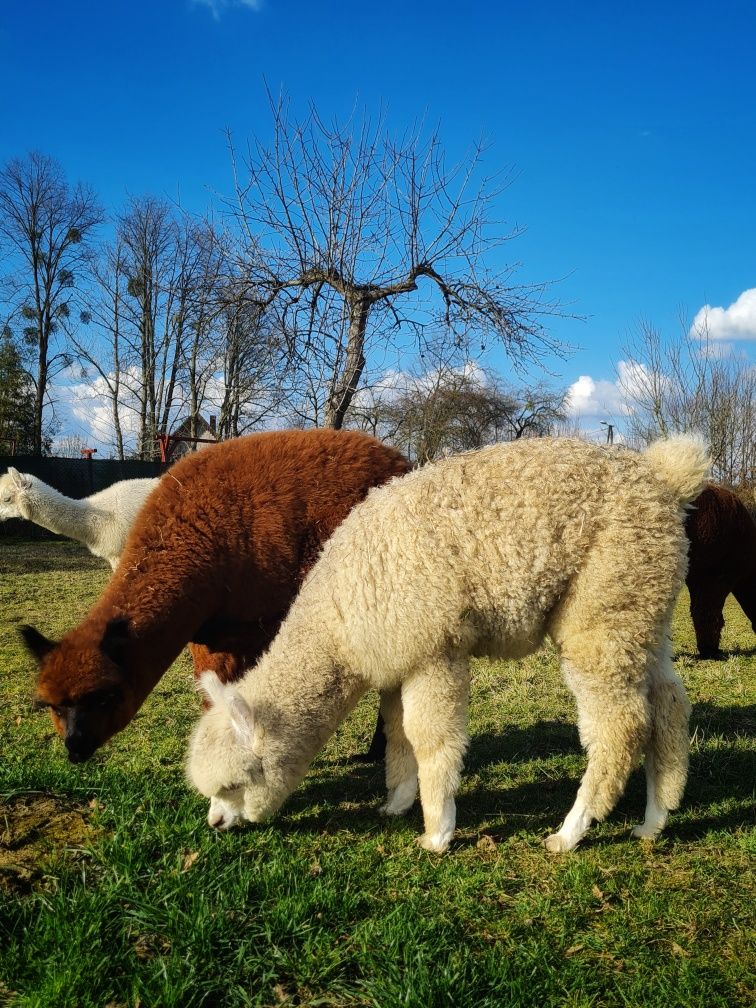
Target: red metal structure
<point>168,444</point>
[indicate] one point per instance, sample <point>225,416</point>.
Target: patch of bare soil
<point>34,830</point>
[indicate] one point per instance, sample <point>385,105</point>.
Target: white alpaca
<point>480,554</point>
<point>101,522</point>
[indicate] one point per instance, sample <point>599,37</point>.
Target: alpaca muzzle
<point>79,746</point>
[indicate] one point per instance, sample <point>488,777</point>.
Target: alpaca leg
<point>707,599</point>
<point>401,765</point>
<point>667,755</point>
<point>745,594</point>
<point>435,700</point>
<point>377,749</point>
<point>614,723</point>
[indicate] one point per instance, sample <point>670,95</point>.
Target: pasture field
<point>114,892</point>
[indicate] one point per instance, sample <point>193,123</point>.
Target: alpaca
<point>722,561</point>
<point>215,558</point>
<point>101,522</point>
<point>479,554</point>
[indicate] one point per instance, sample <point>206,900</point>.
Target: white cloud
<point>634,379</point>
<point>738,322</point>
<point>217,7</point>
<point>600,399</point>
<point>84,410</point>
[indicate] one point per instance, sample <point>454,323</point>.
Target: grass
<point>113,892</point>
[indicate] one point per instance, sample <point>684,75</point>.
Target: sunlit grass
<point>114,892</point>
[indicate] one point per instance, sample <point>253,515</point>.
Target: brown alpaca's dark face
<point>82,687</point>
<point>86,723</point>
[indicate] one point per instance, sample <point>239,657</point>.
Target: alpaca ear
<point>19,481</point>
<point>209,684</point>
<point>35,642</point>
<point>115,639</point>
<point>242,718</point>
<point>240,713</point>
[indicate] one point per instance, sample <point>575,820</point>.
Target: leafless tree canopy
<point>348,251</point>
<point>45,227</point>
<point>690,382</point>
<point>365,244</point>
<point>444,411</point>
<point>172,332</point>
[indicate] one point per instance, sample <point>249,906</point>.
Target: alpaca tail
<point>682,462</point>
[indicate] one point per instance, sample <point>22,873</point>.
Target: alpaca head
<point>226,761</point>
<point>14,495</point>
<point>82,685</point>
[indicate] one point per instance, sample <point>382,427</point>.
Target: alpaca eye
<point>228,793</point>
<point>58,711</point>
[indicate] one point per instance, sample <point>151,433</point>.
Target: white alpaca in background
<point>101,522</point>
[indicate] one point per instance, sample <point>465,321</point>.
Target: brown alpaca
<point>215,558</point>
<point>722,560</point>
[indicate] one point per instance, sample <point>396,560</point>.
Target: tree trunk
<point>345,385</point>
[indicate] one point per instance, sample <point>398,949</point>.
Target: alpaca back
<point>258,499</point>
<point>474,552</point>
<point>124,498</point>
<point>215,556</point>
<point>112,513</point>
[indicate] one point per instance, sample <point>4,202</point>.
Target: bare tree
<point>443,411</point>
<point>363,243</point>
<point>45,226</point>
<point>70,446</point>
<point>691,382</point>
<point>153,253</point>
<point>155,309</point>
<point>99,342</point>
<point>250,384</point>
<point>190,338</point>
<point>199,285</point>
<point>148,315</point>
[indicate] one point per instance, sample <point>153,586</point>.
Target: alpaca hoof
<point>644,832</point>
<point>400,799</point>
<point>557,844</point>
<point>712,655</point>
<point>389,809</point>
<point>436,843</point>
<point>651,826</point>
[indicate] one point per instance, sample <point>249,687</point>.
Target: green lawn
<point>113,891</point>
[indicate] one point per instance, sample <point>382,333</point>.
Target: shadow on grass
<point>341,796</point>
<point>691,654</point>
<point>45,556</point>
<point>720,774</point>
<point>741,652</point>
<point>723,721</point>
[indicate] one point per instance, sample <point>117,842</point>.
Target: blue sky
<point>629,130</point>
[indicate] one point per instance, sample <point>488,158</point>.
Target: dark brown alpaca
<point>215,558</point>
<point>722,560</point>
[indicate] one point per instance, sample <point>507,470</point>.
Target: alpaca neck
<point>304,692</point>
<point>159,629</point>
<point>76,519</point>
